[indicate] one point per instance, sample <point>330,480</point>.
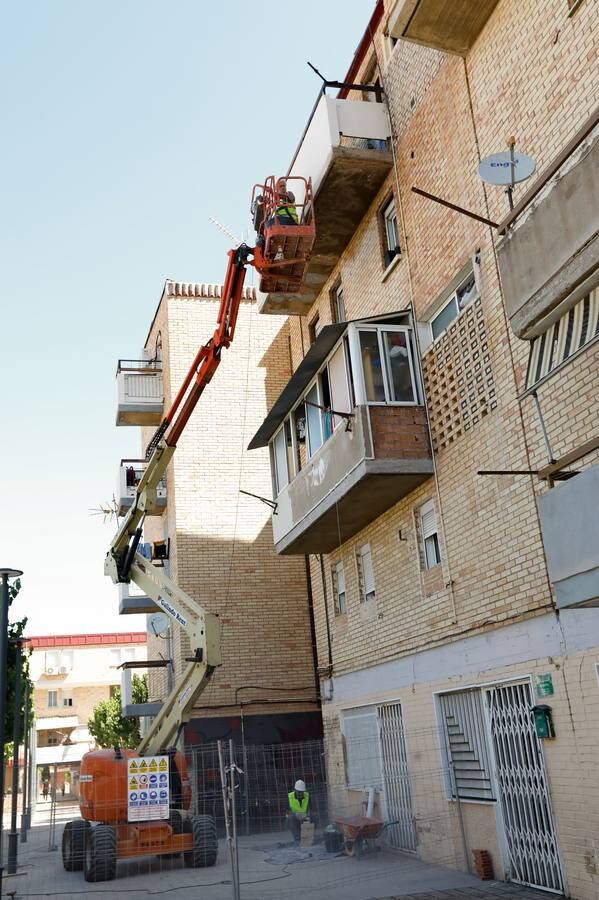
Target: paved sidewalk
<point>485,891</point>
<point>270,868</point>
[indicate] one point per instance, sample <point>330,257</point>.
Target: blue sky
<point>125,126</point>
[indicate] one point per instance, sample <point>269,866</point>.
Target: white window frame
<point>315,383</point>
<point>426,533</point>
<point>363,551</point>
<point>453,298</point>
<point>67,698</point>
<point>337,420</point>
<point>339,303</point>
<point>337,569</point>
<point>52,699</point>
<point>277,482</point>
<point>389,216</point>
<point>356,359</point>
<point>356,390</point>
<point>362,761</point>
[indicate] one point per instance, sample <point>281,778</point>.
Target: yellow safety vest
<point>290,211</point>
<point>299,806</point>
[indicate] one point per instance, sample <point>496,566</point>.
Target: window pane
<point>444,318</point>
<point>362,749</point>
<point>398,367</point>
<point>280,453</point>
<point>313,420</point>
<point>431,551</point>
<point>371,367</point>
<point>466,292</point>
<point>367,572</point>
<point>325,391</point>
<point>289,444</point>
<point>338,382</point>
<point>391,226</point>
<point>339,305</point>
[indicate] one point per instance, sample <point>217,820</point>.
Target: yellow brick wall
<point>222,550</point>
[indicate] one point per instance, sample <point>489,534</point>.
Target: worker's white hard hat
<point>300,785</point>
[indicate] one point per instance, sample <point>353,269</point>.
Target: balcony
<point>354,478</point>
<point>130,473</point>
<point>348,435</point>
<point>139,391</point>
<point>132,600</point>
<point>569,516</point>
<point>549,255</point>
<point>345,151</point>
<point>450,27</point>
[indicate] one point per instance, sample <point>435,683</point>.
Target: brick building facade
<point>441,599</point>
<point>219,540</point>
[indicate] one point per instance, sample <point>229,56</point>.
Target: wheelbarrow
<point>360,833</point>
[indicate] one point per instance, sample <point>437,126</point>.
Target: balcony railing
<point>130,474</point>
<point>345,151</point>
<point>140,392</point>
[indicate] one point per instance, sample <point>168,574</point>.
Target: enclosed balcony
<point>345,151</point>
<point>569,515</point>
<point>549,254</point>
<point>139,391</point>
<point>130,473</point>
<point>348,436</point>
<point>450,27</point>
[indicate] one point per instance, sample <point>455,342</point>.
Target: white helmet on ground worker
<point>300,785</point>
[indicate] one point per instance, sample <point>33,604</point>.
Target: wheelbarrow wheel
<point>353,847</point>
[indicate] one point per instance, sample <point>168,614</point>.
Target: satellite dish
<point>158,624</point>
<point>497,168</point>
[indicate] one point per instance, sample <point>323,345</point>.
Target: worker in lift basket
<point>286,208</point>
<point>299,809</point>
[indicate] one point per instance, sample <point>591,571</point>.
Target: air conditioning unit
<point>63,670</point>
<point>49,670</point>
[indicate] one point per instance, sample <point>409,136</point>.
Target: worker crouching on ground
<point>299,809</point>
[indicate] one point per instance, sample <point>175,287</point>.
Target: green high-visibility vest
<point>299,806</point>
<point>290,211</point>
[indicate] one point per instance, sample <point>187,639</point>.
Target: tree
<point>109,726</point>
<point>15,630</point>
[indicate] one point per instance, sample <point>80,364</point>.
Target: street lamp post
<point>5,574</point>
<point>13,834</point>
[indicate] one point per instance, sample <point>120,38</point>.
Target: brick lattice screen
<point>458,377</point>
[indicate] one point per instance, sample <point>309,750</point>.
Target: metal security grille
<point>396,778</point>
<point>466,745</point>
<point>523,789</point>
<point>576,328</point>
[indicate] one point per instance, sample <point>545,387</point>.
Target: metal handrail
<point>150,366</point>
<point>550,171</point>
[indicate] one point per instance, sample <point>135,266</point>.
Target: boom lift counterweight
<point>95,848</point>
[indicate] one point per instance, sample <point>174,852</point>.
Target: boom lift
<point>103,834</point>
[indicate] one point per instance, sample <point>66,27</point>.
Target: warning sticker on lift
<point>146,798</point>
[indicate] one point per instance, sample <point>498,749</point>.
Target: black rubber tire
<point>73,844</point>
<point>100,854</point>
<point>205,842</point>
